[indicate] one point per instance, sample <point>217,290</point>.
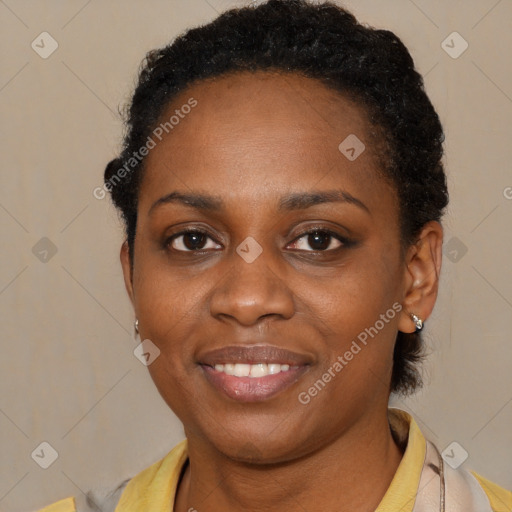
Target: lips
<point>253,373</point>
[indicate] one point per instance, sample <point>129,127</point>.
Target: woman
<point>282,189</point>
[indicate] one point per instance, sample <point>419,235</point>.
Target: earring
<point>418,322</point>
<point>136,326</point>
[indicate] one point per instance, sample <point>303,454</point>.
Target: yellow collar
<point>401,493</point>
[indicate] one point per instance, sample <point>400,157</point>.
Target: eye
<point>319,240</point>
<point>191,240</point>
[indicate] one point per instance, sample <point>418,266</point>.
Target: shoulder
<point>157,483</point>
<point>499,498</point>
<point>426,477</point>
<point>126,496</point>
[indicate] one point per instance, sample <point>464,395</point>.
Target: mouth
<point>253,373</point>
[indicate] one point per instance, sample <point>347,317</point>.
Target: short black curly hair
<point>324,42</point>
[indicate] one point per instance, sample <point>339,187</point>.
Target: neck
<point>351,473</point>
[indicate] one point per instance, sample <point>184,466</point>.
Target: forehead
<point>251,133</point>
<point>274,96</point>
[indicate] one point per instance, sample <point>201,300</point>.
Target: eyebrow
<point>300,201</point>
<point>294,201</point>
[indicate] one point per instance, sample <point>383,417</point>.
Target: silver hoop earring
<point>418,322</point>
<point>136,326</point>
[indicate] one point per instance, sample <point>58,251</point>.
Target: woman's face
<point>255,166</point>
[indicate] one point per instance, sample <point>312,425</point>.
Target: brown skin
<point>252,139</point>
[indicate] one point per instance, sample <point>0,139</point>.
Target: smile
<point>252,373</point>
<point>249,386</point>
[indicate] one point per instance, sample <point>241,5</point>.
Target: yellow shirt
<point>154,488</point>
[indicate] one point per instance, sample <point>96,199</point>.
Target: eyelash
<point>345,242</point>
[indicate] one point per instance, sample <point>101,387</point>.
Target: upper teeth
<point>251,370</point>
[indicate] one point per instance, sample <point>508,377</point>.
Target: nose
<point>252,291</point>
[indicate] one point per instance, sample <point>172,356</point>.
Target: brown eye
<point>189,241</point>
<point>318,240</point>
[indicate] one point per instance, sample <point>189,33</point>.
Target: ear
<point>421,279</point>
<point>127,269</point>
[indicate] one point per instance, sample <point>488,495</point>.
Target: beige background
<point>68,374</point>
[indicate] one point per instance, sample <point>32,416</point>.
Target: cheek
<point>357,320</point>
<point>166,305</point>
<point>357,313</point>
<point>356,296</point>
<point>171,311</point>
